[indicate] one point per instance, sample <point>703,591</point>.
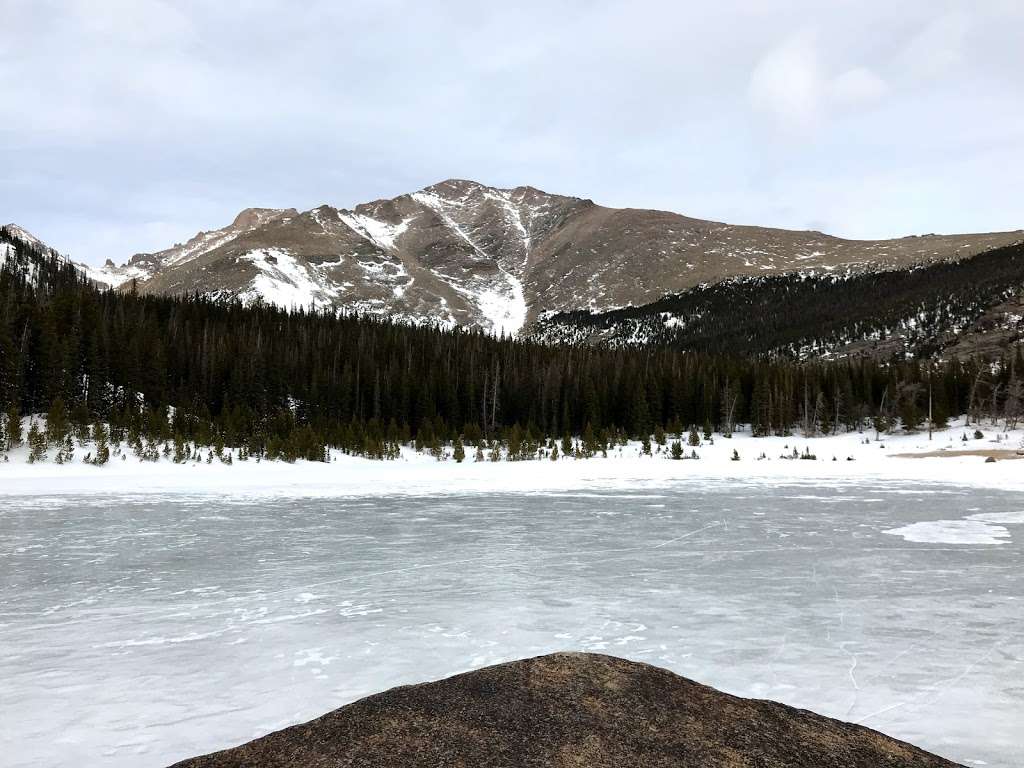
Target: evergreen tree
<point>181,454</point>
<point>14,431</point>
<point>66,451</point>
<point>590,444</point>
<point>57,422</point>
<point>99,436</point>
<point>36,443</point>
<point>659,434</point>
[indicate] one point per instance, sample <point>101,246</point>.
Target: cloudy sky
<point>128,125</point>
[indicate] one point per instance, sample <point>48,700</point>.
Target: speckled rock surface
<point>569,709</point>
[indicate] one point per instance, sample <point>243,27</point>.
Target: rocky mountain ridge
<point>462,253</point>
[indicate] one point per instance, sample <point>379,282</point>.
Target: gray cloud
<point>130,124</point>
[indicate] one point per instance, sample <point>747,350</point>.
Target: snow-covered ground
<point>624,467</point>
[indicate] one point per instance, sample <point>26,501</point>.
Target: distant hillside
<point>972,306</point>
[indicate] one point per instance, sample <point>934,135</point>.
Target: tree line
<point>171,375</point>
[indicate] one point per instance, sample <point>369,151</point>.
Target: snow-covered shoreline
<point>893,458</point>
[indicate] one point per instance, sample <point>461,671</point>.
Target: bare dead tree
<point>1012,404</point>
<point>729,401</point>
<point>979,380</point>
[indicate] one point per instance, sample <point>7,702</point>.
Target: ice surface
<point>138,630</point>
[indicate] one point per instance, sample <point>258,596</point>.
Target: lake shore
<point>946,458</point>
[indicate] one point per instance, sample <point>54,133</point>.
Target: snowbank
<point>419,474</point>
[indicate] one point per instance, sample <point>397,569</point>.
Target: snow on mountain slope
<point>20,233</point>
<point>11,235</point>
<point>286,281</point>
<point>462,253</point>
<point>112,276</point>
<point>500,299</point>
<point>144,266</point>
<point>380,233</point>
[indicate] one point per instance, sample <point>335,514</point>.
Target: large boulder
<point>569,709</point>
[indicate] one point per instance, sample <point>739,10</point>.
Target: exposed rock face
<point>569,709</point>
<point>462,253</point>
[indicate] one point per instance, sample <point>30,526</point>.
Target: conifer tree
<point>180,457</point>
<point>14,431</point>
<point>66,451</point>
<point>99,436</point>
<point>589,444</point>
<point>659,434</point>
<point>36,443</point>
<point>57,422</point>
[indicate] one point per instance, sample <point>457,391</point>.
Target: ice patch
<point>982,528</point>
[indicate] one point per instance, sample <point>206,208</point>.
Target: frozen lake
<point>135,631</point>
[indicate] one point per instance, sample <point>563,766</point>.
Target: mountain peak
<point>461,253</point>
<point>25,236</point>
<point>253,217</point>
<point>457,184</point>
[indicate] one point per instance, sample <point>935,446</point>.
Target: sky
<point>129,125</point>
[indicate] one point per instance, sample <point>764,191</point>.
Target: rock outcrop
<point>569,709</point>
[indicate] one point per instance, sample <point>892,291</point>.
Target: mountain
<point>461,253</point>
<point>570,709</point>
